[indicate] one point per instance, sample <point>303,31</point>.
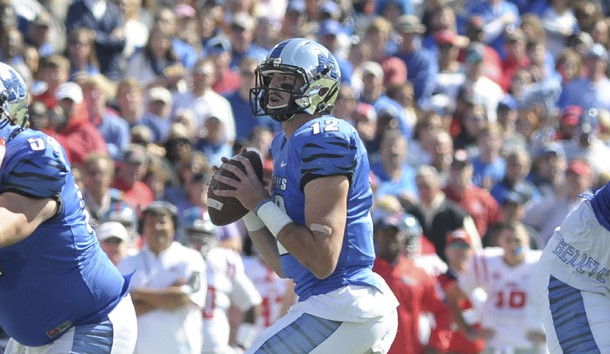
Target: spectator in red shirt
<point>130,172</point>
<point>483,208</point>
<point>54,71</point>
<point>458,251</point>
<point>516,57</point>
<point>74,131</point>
<point>413,287</point>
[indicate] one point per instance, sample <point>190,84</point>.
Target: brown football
<point>226,210</point>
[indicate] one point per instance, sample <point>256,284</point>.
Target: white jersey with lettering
<point>573,280</point>
<point>271,288</point>
<point>508,309</point>
<point>228,285</point>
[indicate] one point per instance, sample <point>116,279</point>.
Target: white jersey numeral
<point>330,125</point>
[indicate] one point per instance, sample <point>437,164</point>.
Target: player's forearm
<point>142,308</point>
<point>169,298</point>
<point>13,228</point>
<point>312,250</point>
<point>21,216</point>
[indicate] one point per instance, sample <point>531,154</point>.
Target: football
<point>226,210</point>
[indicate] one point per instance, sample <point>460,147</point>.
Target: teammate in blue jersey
<point>572,284</point>
<point>59,292</point>
<point>315,227</point>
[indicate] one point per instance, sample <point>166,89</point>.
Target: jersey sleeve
<point>328,149</point>
<point>36,166</point>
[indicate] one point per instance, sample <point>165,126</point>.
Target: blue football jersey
<point>58,276</point>
<point>326,146</point>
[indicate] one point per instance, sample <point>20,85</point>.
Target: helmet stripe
<point>278,49</point>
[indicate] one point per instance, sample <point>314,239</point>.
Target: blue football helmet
<point>123,213</point>
<point>308,59</point>
<point>198,230</point>
<point>13,96</point>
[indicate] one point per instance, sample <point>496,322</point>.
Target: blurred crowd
<point>476,114</point>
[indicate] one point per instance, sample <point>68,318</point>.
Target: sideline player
<point>573,277</point>
<point>509,322</point>
<point>59,291</point>
<point>315,228</point>
<point>228,285</point>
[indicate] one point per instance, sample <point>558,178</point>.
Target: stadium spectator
<point>239,99</point>
<point>202,100</point>
<point>482,207</point>
<point>459,251</point>
<point>80,51</point>
<point>97,92</point>
<point>547,213</point>
<point>129,174</point>
<point>169,287</point>
<point>114,239</point>
<point>72,125</point>
<point>105,19</point>
<point>98,174</point>
<point>416,296</point>
<point>422,67</point>
<point>156,64</point>
<point>435,212</point>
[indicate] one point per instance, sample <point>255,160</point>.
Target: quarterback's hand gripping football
<point>248,188</point>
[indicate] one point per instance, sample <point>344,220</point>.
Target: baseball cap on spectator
<point>409,24</point>
<point>580,38</point>
<point>460,159</point>
<point>42,19</point>
<point>458,237</point>
<point>571,115</point>
<point>373,68</point>
<point>513,197</point>
<point>160,94</point>
<point>579,168</point>
<point>69,90</point>
<point>516,35</point>
<point>474,53</point>
<point>243,21</point>
<point>476,23</point>
<point>112,229</point>
<point>390,219</point>
<point>507,103</point>
<point>297,6</point>
<point>184,10</point>
<point>330,27</point>
<point>218,44</point>
<point>466,93</point>
<point>135,154</point>
<point>364,112</point>
<point>178,131</point>
<point>331,9</point>
<point>449,37</point>
<point>552,147</point>
<point>597,51</point>
<point>394,71</point>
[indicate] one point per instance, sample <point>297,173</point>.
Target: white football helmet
<point>314,63</point>
<point>13,96</point>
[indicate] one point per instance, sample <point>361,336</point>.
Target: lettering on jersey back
<point>580,261</point>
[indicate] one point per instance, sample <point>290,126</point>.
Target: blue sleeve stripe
<point>33,176</point>
<point>321,156</point>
